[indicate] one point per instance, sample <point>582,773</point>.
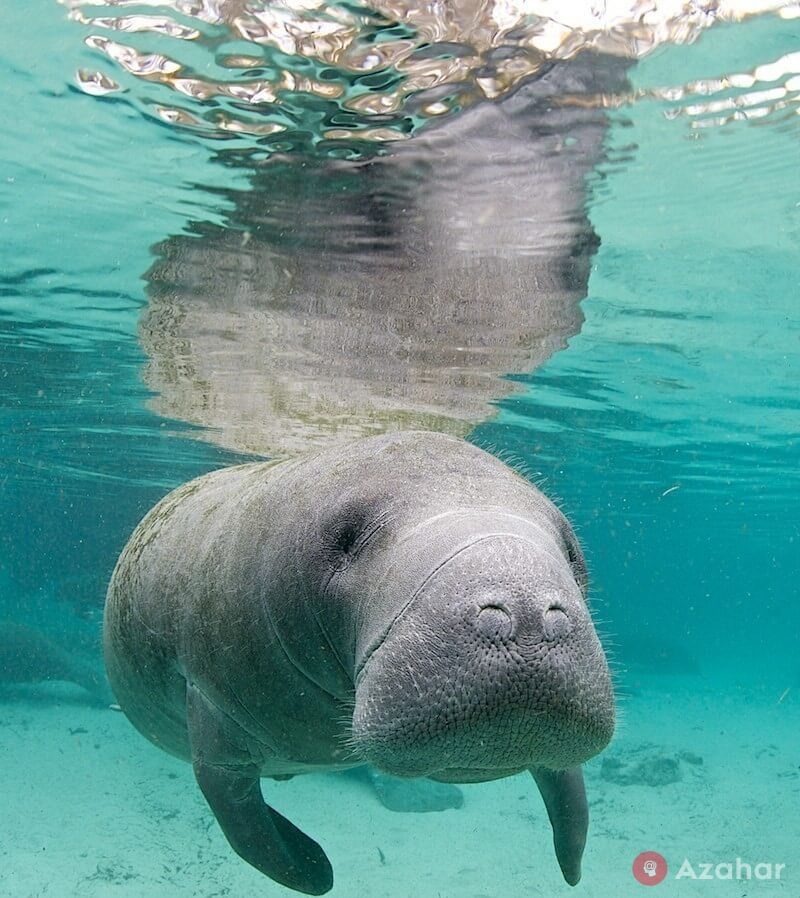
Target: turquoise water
<point>685,375</point>
<point>662,414</point>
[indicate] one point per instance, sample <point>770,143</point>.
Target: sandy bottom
<point>89,808</point>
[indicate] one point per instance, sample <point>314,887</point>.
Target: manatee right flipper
<point>230,783</point>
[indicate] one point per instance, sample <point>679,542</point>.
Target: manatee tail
<point>231,786</point>
<point>565,799</point>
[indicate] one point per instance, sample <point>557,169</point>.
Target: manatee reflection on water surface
<point>414,227</point>
<point>345,297</point>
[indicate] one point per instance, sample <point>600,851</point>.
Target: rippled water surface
<point>567,232</point>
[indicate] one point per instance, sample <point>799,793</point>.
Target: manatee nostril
<point>494,622</point>
<point>556,623</point>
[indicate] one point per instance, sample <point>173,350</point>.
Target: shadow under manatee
<point>351,297</point>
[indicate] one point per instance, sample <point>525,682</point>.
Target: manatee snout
<point>492,667</point>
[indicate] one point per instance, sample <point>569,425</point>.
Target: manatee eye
<point>342,542</point>
<point>575,556</point>
<point>346,534</point>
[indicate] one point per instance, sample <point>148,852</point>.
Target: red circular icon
<point>649,868</point>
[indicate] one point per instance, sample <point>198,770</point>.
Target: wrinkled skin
<point>409,602</point>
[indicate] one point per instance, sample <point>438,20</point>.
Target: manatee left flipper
<point>565,799</point>
<point>229,780</point>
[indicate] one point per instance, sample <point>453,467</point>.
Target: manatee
<point>406,601</point>
<point>29,656</point>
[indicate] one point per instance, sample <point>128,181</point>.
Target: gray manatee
<point>407,601</point>
<point>29,656</point>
